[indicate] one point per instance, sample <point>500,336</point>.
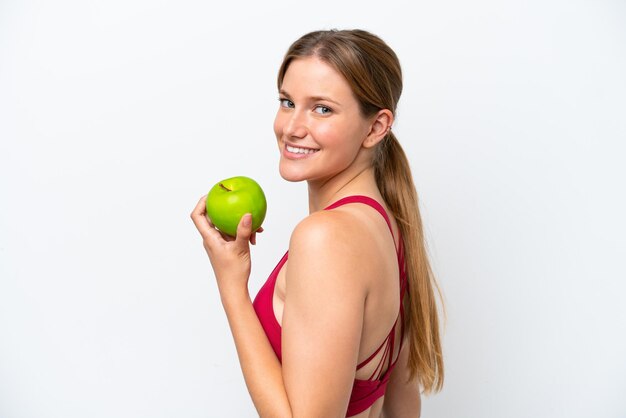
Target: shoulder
<point>328,232</point>
<point>328,246</point>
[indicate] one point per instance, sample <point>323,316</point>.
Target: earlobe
<point>379,129</point>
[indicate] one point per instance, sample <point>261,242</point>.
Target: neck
<point>323,193</point>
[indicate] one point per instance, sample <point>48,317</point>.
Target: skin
<point>354,280</point>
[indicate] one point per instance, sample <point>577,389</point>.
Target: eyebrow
<point>312,98</point>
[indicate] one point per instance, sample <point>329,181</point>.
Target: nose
<point>295,125</point>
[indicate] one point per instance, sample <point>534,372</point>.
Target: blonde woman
<point>347,323</point>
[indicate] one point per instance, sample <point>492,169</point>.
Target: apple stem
<point>225,188</point>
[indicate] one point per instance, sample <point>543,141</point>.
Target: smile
<point>297,150</point>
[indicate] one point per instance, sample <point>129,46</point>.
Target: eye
<point>286,103</point>
<point>323,110</point>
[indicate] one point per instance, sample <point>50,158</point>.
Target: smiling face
<point>319,126</point>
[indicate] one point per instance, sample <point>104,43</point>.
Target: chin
<point>290,176</point>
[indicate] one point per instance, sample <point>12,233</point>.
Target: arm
<point>323,315</point>
<point>402,399</point>
<point>322,318</point>
<point>230,259</point>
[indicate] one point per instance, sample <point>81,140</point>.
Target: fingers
<point>198,216</point>
<point>244,229</point>
<point>203,224</point>
<point>208,231</point>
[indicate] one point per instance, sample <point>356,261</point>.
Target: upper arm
<point>402,398</point>
<point>322,317</point>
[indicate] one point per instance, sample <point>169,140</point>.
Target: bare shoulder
<point>342,234</point>
<point>325,228</point>
<point>331,240</point>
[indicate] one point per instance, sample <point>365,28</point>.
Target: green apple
<point>232,198</point>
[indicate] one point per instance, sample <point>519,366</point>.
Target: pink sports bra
<point>364,392</point>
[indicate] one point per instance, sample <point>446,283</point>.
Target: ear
<point>381,123</point>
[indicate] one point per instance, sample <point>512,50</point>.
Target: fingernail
<point>247,220</point>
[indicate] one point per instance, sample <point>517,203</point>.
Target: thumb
<point>244,229</point>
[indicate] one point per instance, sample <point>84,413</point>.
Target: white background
<point>117,116</point>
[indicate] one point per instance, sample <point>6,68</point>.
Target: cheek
<point>278,125</point>
<point>339,136</point>
<point>327,134</point>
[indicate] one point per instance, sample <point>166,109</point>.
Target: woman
<point>346,324</point>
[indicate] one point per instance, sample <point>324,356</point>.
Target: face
<point>319,126</point>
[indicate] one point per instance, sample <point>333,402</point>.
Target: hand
<point>229,256</point>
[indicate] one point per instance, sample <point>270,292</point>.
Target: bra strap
<point>368,201</point>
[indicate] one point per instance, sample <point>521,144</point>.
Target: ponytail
<point>395,182</point>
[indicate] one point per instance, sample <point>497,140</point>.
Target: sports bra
<point>364,392</point>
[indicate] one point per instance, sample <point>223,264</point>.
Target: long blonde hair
<point>373,71</point>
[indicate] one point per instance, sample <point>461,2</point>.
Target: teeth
<point>300,150</point>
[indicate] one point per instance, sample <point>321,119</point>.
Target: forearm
<point>260,367</point>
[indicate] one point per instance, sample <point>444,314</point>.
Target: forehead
<point>311,76</point>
